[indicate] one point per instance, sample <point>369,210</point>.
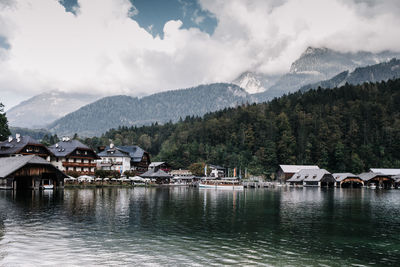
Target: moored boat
<point>221,184</point>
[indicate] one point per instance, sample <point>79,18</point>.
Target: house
<point>379,179</point>
<point>72,156</point>
<point>390,172</point>
<point>140,159</point>
<point>23,145</point>
<point>29,172</point>
<point>347,180</point>
<point>126,158</point>
<point>286,171</point>
<point>159,176</point>
<point>312,177</point>
<point>161,165</point>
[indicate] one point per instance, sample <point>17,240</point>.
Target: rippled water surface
<point>189,226</point>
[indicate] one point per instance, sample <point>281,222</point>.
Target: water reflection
<point>180,225</point>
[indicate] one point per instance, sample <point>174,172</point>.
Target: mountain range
<point>114,111</point>
<point>314,65</point>
<point>40,110</point>
<point>66,114</point>
<point>375,73</point>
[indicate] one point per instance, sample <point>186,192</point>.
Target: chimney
<point>57,145</point>
<point>18,137</point>
<point>10,138</point>
<point>111,145</point>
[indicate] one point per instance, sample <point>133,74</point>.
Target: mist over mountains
<point>66,114</point>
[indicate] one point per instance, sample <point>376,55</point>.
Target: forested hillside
<point>351,128</point>
<point>115,111</point>
<point>4,130</point>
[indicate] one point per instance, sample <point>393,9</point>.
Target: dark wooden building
<point>29,172</point>
<point>73,156</point>
<point>24,145</point>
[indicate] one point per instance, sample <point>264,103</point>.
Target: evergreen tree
<point>4,130</point>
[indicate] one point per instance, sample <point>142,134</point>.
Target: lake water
<point>190,226</point>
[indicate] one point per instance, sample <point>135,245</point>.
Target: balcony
<point>79,164</point>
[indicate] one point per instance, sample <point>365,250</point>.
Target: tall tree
<point>4,130</point>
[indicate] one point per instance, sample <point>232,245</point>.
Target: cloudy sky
<point>139,47</point>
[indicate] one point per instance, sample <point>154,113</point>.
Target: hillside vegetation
<point>351,128</point>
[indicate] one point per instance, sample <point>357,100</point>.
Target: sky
<point>139,47</point>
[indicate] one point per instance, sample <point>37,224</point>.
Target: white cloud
<point>102,50</point>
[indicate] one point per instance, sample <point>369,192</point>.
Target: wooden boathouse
<point>29,172</point>
<point>379,179</point>
<point>348,180</point>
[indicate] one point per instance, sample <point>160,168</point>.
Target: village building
<point>347,180</point>
<point>29,172</point>
<point>23,145</point>
<point>159,176</point>
<point>379,179</point>
<point>160,165</point>
<point>287,171</point>
<point>73,156</point>
<point>312,177</point>
<point>181,173</point>
<point>124,158</point>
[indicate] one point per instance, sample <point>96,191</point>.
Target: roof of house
<point>341,176</point>
<point>64,148</point>
<point>11,164</point>
<point>158,174</point>
<point>135,152</point>
<point>16,145</point>
<point>158,163</point>
<point>113,152</point>
<point>385,171</point>
<point>366,176</point>
<point>308,175</point>
<point>296,168</point>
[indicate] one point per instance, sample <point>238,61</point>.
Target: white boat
<point>221,184</point>
<point>372,186</point>
<point>47,184</point>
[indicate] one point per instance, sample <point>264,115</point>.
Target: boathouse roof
<point>341,176</point>
<point>158,174</point>
<point>385,171</point>
<point>308,175</point>
<point>10,165</point>
<point>366,176</point>
<point>296,168</point>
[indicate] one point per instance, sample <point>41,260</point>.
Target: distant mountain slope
<point>318,64</point>
<point>114,111</point>
<point>45,108</point>
<point>375,73</point>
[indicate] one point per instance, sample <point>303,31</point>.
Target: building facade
<point>124,158</point>
<point>73,156</point>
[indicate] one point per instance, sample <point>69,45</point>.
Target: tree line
<point>351,128</point>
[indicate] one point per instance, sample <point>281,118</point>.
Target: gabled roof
<point>113,152</point>
<point>158,163</point>
<point>385,171</point>
<point>308,175</point>
<point>296,168</point>
<point>366,176</point>
<point>10,165</point>
<point>64,148</point>
<point>16,145</point>
<point>341,176</point>
<point>135,152</point>
<point>158,174</point>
